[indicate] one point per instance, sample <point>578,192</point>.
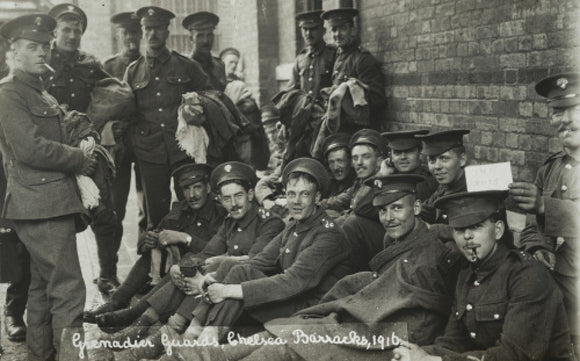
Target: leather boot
<point>90,315</point>
<point>15,328</point>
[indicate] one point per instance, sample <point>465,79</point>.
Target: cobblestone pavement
<point>87,250</point>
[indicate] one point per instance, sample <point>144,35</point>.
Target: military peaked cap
<point>35,27</point>
<point>70,9</point>
<point>468,208</point>
<point>440,142</point>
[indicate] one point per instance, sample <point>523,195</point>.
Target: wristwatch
<point>188,240</point>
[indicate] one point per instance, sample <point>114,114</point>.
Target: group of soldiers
<point>364,238</point>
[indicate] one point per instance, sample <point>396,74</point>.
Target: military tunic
<point>432,215</point>
<point>117,64</point>
<point>337,187</point>
<point>355,62</point>
<point>557,230</point>
<point>426,188</point>
<point>158,84</point>
<point>201,225</point>
<point>42,199</point>
<point>360,222</point>
<point>507,308</point>
<point>247,236</point>
<point>214,68</point>
<point>312,69</point>
<point>292,272</point>
<point>74,78</point>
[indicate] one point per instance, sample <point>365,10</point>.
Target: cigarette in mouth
<point>474,254</point>
<point>49,67</point>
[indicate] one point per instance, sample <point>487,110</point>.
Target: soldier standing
<point>76,73</point>
<point>43,202</point>
<point>158,79</point>
<point>17,290</point>
<point>129,36</point>
<point>300,104</point>
<point>201,26</point>
<point>552,232</point>
<point>352,61</point>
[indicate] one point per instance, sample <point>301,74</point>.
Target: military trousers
<point>17,291</point>
<point>156,181</point>
<point>56,298</point>
<point>104,224</point>
<point>120,192</point>
<point>229,313</point>
<point>166,298</point>
<point>136,280</point>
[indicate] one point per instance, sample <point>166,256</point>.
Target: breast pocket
<point>490,318</point>
<point>179,84</point>
<point>47,120</point>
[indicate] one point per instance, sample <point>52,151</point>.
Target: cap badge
<point>151,12</point>
<point>562,83</point>
<point>228,168</point>
<point>71,8</point>
<point>38,21</point>
<point>378,183</point>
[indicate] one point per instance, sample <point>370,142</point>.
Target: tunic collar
<point>308,223</point>
<point>203,58</point>
<point>457,186</point>
<point>349,48</point>
<point>31,80</point>
<point>317,49</point>
<point>418,229</point>
<point>131,55</point>
<point>67,57</point>
<point>162,57</point>
<point>249,217</point>
<point>490,265</point>
<point>206,212</point>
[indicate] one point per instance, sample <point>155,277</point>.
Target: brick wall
<point>472,64</point>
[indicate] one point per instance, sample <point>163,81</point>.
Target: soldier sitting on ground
<point>446,159</point>
<point>405,158</point>
<point>243,234</point>
<point>188,226</point>
<point>411,281</point>
<point>507,306</point>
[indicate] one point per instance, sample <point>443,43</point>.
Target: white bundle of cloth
<point>191,136</point>
<point>90,195</point>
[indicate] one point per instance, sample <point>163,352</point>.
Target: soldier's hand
<point>410,352</point>
<point>217,292</point>
<point>176,277</point>
<point>191,285</point>
<point>213,260</point>
<point>151,239</point>
<point>527,197</point>
<point>209,278</point>
<point>386,168</point>
<point>89,165</point>
<point>546,257</point>
<point>168,237</point>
